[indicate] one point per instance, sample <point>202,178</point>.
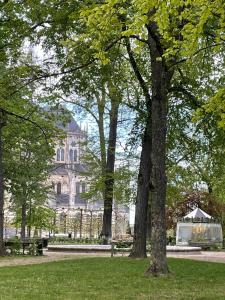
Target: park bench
<point>32,246</point>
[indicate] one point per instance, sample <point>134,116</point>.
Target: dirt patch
<point>57,256</point>
<point>47,257</point>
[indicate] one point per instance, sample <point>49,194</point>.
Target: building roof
<point>72,127</point>
<point>197,214</point>
<point>65,169</point>
<point>80,168</point>
<point>59,170</point>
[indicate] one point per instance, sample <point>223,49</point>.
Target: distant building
<point>68,178</point>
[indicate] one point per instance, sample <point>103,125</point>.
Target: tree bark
<point>160,81</point>
<point>2,245</point>
<point>101,110</point>
<point>29,226</point>
<point>149,225</point>
<point>110,164</point>
<point>23,220</point>
<point>140,225</point>
<point>142,199</point>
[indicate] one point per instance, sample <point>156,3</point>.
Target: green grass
<point>112,278</point>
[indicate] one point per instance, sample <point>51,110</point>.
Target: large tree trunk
<point>109,175</point>
<point>2,246</point>
<point>160,80</point>
<point>140,225</point>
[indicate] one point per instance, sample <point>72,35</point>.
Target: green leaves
<point>215,107</point>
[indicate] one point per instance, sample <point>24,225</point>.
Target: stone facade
<point>74,215</point>
<point>83,218</point>
<point>68,178</point>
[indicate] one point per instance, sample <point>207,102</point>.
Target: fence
<point>87,223</point>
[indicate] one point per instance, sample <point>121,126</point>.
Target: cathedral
<point>69,181</point>
<point>68,177</point>
<point>79,217</point>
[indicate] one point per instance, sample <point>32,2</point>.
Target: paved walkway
<point>210,256</point>
<point>57,256</point>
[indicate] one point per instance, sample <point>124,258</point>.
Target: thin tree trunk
<point>110,164</point>
<point>142,199</point>
<point>81,222</point>
<point>23,220</point>
<point>140,225</point>
<point>2,246</point>
<point>160,81</point>
<point>29,226</point>
<point>101,110</point>
<point>91,224</point>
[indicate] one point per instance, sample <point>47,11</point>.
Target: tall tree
<point>28,162</point>
<point>143,185</point>
<point>97,83</point>
<point>165,38</point>
<point>173,31</point>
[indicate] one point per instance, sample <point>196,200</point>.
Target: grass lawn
<point>112,278</point>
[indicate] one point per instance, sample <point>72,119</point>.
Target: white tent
<point>197,214</point>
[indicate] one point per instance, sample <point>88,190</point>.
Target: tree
<point>28,162</point>
<point>168,40</point>
<point>38,217</point>
<point>14,78</point>
<point>173,32</point>
<point>143,185</point>
<point>8,50</point>
<point>97,83</point>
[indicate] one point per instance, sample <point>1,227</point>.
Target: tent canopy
<point>197,214</point>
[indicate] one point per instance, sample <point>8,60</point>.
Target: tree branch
<point>197,52</point>
<point>187,94</point>
<point>82,106</point>
<point>138,73</point>
<point>27,120</point>
<point>138,38</point>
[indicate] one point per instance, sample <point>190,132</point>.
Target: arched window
<point>83,187</point>
<point>58,155</point>
<point>62,154</point>
<point>59,188</point>
<point>75,155</point>
<point>65,188</point>
<point>77,188</point>
<point>71,155</point>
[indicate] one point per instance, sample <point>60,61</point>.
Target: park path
<point>210,256</point>
<point>48,256</point>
